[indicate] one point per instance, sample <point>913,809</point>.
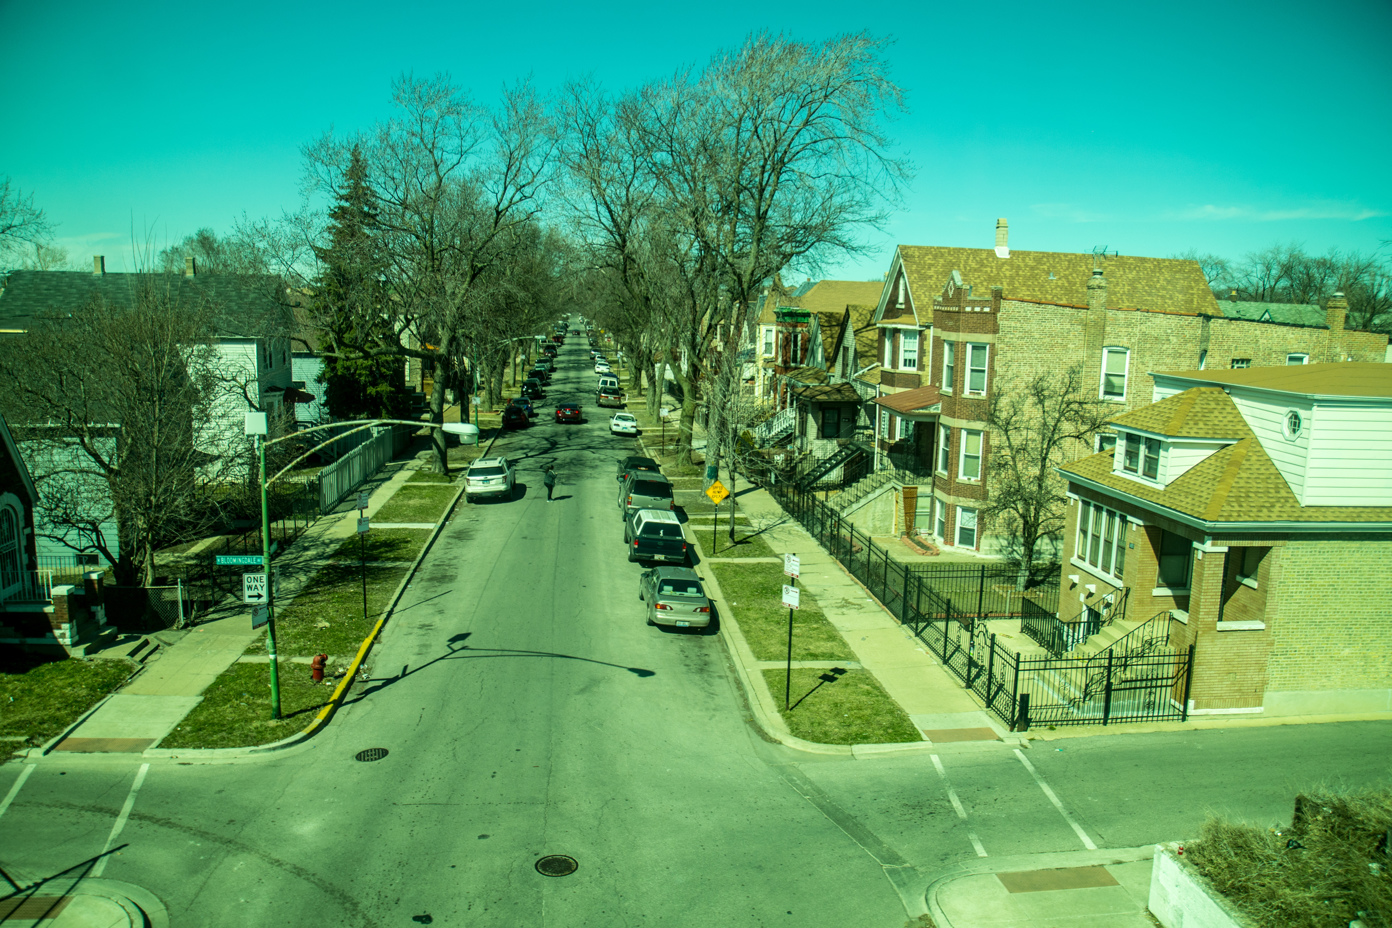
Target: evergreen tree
<point>351,288</point>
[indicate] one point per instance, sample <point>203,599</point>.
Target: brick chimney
<point>190,266</point>
<point>1096,324</point>
<point>1336,312</point>
<point>98,265</point>
<point>1002,238</point>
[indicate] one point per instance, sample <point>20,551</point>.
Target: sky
<point>1144,128</point>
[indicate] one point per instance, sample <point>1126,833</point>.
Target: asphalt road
<point>527,710</point>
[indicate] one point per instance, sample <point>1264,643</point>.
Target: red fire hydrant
<point>316,667</point>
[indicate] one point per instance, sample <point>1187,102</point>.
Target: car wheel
<point>650,617</point>
<point>631,558</point>
<point>468,499</point>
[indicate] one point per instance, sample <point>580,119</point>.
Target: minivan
<point>645,490</point>
<point>608,380</point>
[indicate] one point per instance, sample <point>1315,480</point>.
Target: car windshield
<point>680,587</point>
<point>650,488</point>
<point>486,472</point>
<point>662,530</point>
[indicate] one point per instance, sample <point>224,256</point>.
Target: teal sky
<point>1146,128</point>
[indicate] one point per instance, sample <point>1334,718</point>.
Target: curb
<point>327,713</point>
<point>1050,861</point>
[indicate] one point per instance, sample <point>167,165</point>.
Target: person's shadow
<point>557,499</point>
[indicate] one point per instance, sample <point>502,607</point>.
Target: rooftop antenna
<point>1098,253</point>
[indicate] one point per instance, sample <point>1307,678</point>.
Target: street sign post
<point>254,590</point>
<point>363,497</point>
<point>791,564</point>
<point>238,560</point>
<point>363,525</point>
<point>260,616</point>
<point>717,492</point>
<point>790,599</point>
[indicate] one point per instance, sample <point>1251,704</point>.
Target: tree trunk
<point>437,416</point>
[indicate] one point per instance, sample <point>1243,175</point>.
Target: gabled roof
<point>1288,313</point>
<point>829,393</point>
<point>807,375</point>
<point>1236,484</point>
<point>1170,285</point>
<point>1204,412</point>
<point>1354,379</point>
<point>246,305</point>
<point>26,479</point>
<point>823,296</point>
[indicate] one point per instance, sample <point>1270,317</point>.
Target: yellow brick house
<point>1248,513</point>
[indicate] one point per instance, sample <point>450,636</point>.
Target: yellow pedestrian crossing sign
<point>717,492</point>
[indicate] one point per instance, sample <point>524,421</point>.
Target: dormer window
<point>1141,456</point>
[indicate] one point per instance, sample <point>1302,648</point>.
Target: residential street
<point>527,710</point>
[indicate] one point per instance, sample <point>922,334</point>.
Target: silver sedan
<point>675,597</point>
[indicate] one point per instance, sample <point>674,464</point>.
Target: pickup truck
<point>654,535</point>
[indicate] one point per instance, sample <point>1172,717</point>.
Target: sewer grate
<point>371,754</point>
<point>556,865</point>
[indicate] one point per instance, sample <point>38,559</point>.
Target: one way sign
<point>254,592</point>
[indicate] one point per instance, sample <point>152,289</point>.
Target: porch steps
<point>830,463</point>
<point>847,498</point>
<point>1109,634</point>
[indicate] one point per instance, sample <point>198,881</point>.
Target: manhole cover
<point>371,754</point>
<point>556,865</point>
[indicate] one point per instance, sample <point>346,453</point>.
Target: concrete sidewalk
<point>167,689</point>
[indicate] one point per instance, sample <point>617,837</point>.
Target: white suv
<point>490,477</point>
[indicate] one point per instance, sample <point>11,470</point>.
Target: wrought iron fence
<point>1021,691</point>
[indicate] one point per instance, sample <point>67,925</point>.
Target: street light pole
<point>270,585</point>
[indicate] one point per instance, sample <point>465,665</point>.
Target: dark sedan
<point>514,418</point>
<point>569,412</point>
<point>524,404</point>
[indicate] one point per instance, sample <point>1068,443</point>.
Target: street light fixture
<point>257,427</point>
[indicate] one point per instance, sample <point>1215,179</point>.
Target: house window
<point>944,449</point>
<point>831,422</point>
<point>966,527</point>
<point>949,363</point>
<point>1297,359</point>
<point>1249,563</point>
<point>888,352</point>
<point>908,350</point>
<point>9,548</point>
<point>1176,554</point>
<point>976,370</point>
<point>846,371</point>
<point>942,519</point>
<point>768,342</point>
<point>899,294</point>
<point>1106,442</point>
<point>1114,362</point>
<point>1203,358</point>
<point>1101,538</point>
<point>1150,459</point>
<point>971,455</point>
<point>1240,363</point>
<point>884,418</point>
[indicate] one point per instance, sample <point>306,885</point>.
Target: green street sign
<point>239,560</point>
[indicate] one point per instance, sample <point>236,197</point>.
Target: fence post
<point>1107,690</point>
<point>1188,679</point>
<point>990,666</point>
<point>947,618</point>
<point>1015,689</point>
<point>981,592</point>
<point>904,600</point>
<point>1022,719</point>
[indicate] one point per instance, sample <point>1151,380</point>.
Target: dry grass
<point>36,703</point>
<point>416,503</point>
<point>849,707</point>
<point>1329,867</point>
<point>745,544</point>
<point>327,618</point>
<point>754,593</point>
<point>236,709</point>
<point>391,544</point>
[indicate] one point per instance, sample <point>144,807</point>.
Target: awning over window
<point>922,403</point>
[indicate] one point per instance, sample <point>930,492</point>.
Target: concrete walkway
<point>167,689</point>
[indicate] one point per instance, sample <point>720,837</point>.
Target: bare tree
<point>234,254</point>
<point>1035,427</point>
<point>1217,270</point>
<point>115,430</point>
<point>21,222</point>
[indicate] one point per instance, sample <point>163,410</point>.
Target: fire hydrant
<point>316,667</point>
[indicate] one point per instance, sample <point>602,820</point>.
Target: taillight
<point>635,542</point>
<point>662,606</point>
<point>630,501</point>
<point>704,609</point>
<point>671,505</point>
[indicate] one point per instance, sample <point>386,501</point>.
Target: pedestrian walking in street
<point>548,477</point>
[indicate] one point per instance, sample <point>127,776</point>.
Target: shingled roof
<point>1307,314</point>
<point>245,306</point>
<point>1236,484</point>
<point>1169,285</point>
<point>1370,379</point>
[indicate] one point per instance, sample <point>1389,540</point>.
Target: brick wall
<point>1230,667</point>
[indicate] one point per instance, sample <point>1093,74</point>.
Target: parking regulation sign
<point>791,565</point>
<point>790,596</point>
<point>254,590</point>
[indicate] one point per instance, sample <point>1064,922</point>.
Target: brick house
<point>18,497</point>
<point>958,325</point>
<point>252,340</point>
<point>1247,512</point>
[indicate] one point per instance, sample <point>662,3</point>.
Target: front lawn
<point>849,707</point>
<point>37,703</point>
<point>745,544</point>
<point>327,617</point>
<point>388,544</point>
<point>236,709</point>
<point>754,593</point>
<point>416,503</point>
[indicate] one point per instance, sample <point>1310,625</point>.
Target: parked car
<point>540,373</point>
<point>608,380</point>
<point>645,490</point>
<point>675,597</point>
<point>548,350</point>
<point>654,535</point>
<point>524,404</point>
<point>490,477</point>
<point>532,389</point>
<point>515,418</point>
<point>633,462</point>
<point>610,396</point>
<point>569,412</point>
<point>623,423</point>
<point>546,362</point>
<point>601,366</point>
